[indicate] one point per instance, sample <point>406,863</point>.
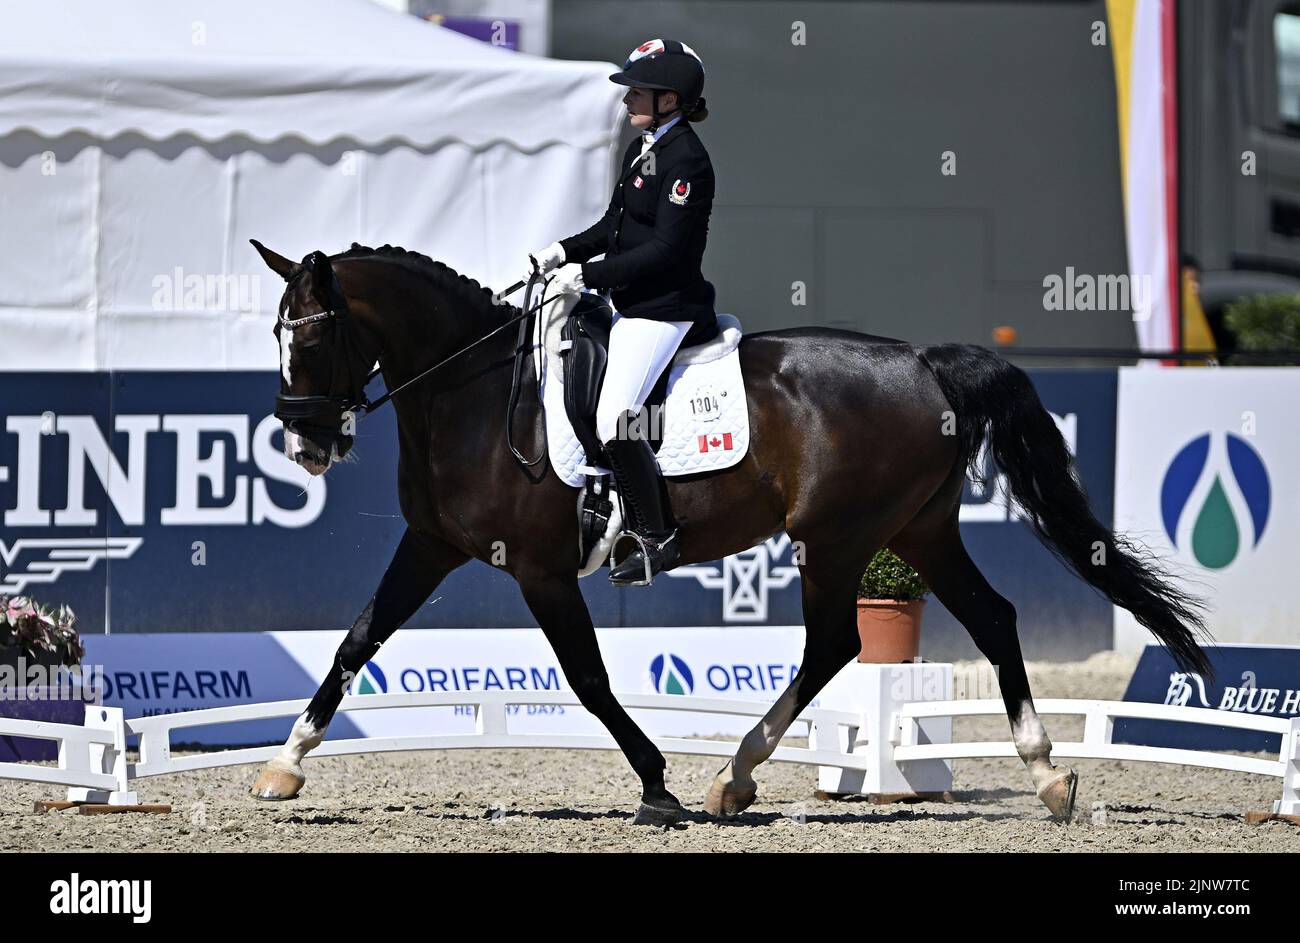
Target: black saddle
<point>585,354</point>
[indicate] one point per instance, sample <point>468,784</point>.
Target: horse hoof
<point>660,816</point>
<point>1058,795</point>
<point>278,781</point>
<point>728,796</point>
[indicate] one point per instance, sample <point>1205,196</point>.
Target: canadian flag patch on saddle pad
<point>724,442</point>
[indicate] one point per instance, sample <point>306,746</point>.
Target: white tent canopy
<point>142,143</point>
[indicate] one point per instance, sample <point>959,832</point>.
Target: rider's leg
<point>639,351</point>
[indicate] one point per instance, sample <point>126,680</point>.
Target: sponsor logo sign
<point>1208,478</point>
<point>1247,679</point>
<point>151,674</point>
<point>161,502</point>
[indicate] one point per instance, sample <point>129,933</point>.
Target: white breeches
<point>639,350</point>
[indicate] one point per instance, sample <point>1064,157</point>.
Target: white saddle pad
<point>705,415</point>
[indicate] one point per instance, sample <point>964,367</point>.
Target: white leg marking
<point>1034,746</point>
<point>302,740</point>
<point>760,742</point>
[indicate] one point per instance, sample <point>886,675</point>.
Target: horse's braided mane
<point>459,287</point>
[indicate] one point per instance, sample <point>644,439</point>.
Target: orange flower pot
<point>890,630</point>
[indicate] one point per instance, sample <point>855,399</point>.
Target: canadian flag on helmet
<point>645,49</point>
<point>715,443</point>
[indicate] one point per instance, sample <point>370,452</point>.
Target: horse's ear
<point>275,262</point>
<point>322,276</point>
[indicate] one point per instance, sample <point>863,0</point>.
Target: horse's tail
<point>995,402</point>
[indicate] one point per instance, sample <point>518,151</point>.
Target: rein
<point>523,319</point>
<point>367,406</point>
<point>516,380</point>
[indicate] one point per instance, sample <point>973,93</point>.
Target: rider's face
<point>640,106</point>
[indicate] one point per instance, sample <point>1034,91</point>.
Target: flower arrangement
<point>39,632</point>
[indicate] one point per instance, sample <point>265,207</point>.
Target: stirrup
<point>643,544</point>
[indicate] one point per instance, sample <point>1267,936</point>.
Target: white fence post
<point>1290,755</point>
<point>878,693</point>
<point>490,719</point>
<point>1098,727</point>
<point>109,759</point>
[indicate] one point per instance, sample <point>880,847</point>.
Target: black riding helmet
<point>665,65</point>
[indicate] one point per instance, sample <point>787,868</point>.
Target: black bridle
<point>329,415</point>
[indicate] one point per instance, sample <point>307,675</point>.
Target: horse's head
<point>323,368</point>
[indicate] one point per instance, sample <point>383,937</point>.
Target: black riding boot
<point>651,520</point>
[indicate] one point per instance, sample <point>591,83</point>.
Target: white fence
<point>1099,723</point>
<point>92,758</point>
<point>911,741</point>
<point>906,731</point>
<point>491,723</point>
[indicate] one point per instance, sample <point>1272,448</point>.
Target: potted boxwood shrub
<point>891,597</point>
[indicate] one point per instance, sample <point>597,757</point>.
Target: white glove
<point>549,259</point>
<point>567,281</point>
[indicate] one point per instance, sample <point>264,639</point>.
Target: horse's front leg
<point>560,610</point>
<point>417,567</point>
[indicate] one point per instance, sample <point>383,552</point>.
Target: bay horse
<point>857,443</point>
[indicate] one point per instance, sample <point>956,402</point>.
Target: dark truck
<point>1239,105</point>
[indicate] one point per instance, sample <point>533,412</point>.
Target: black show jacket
<point>653,233</point>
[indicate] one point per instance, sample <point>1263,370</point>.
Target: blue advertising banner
<point>165,673</point>
<point>147,674</point>
<point>1249,679</point>
<point>207,522</point>
<point>162,502</point>
<point>54,524</point>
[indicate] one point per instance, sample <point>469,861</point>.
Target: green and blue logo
<point>671,675</point>
<point>1217,533</point>
<point>370,680</point>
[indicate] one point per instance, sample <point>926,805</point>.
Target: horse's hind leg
<point>417,567</point>
<point>941,559</point>
<point>829,593</point>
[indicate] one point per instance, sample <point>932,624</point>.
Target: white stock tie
<point>647,142</point>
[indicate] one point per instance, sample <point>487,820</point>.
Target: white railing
<point>915,736</point>
<point>491,729</point>
<point>92,758</point>
<point>1099,723</point>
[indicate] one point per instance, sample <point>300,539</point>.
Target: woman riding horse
<point>820,402</point>
<point>653,237</point>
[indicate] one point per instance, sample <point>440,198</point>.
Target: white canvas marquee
<point>143,142</point>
